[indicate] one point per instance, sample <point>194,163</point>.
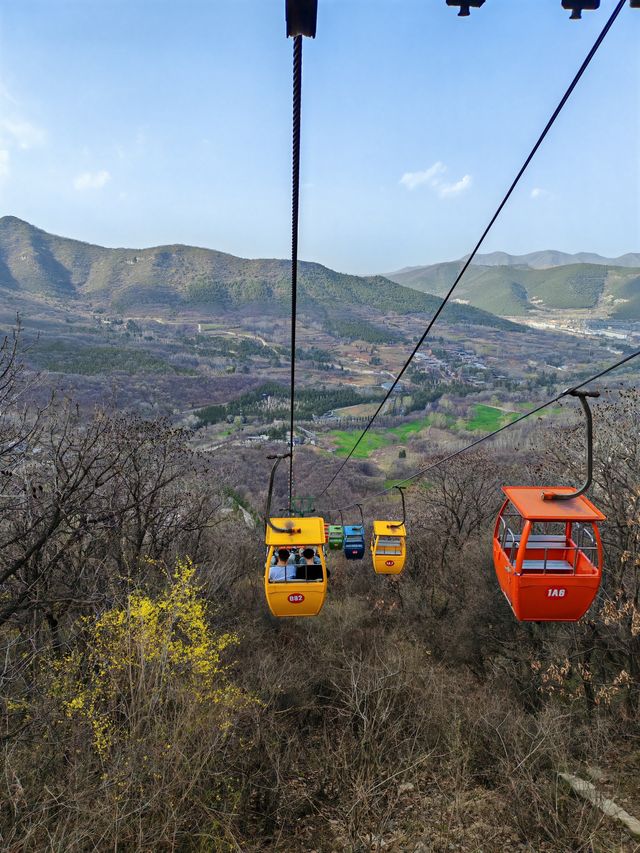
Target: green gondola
<point>336,537</point>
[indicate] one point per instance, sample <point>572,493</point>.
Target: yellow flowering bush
<point>150,654</point>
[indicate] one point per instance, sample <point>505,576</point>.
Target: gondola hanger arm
<point>582,396</point>
<point>267,515</point>
<point>404,510</point>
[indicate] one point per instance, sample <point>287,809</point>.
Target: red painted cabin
<point>547,554</point>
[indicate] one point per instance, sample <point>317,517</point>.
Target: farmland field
<point>345,439</point>
<point>482,418</point>
<point>488,418</point>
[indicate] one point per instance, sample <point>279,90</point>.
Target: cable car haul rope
<point>547,549</point>
<point>488,228</point>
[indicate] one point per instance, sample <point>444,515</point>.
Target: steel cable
<point>295,204</point>
<point>467,263</point>
<point>495,432</point>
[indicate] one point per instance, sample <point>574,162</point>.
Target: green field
<point>390,484</point>
<point>488,418</point>
<point>482,418</point>
<point>345,439</point>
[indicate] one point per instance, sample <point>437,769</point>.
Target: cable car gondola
<point>547,550</point>
<point>354,544</point>
<point>296,588</point>
<point>335,537</point>
<point>388,547</point>
<point>303,588</point>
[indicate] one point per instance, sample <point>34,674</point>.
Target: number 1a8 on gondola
<point>547,553</point>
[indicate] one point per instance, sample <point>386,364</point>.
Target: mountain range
<point>542,260</point>
<point>38,265</point>
<point>519,290</point>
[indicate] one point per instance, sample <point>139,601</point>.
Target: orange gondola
<point>547,549</point>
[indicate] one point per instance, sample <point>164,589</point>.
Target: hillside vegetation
<point>182,278</point>
<point>516,291</point>
<point>149,701</point>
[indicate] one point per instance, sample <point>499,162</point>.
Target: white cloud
<point>22,133</point>
<point>430,176</point>
<point>538,192</point>
<point>460,186</point>
<point>91,180</point>
<point>4,163</point>
<point>433,177</point>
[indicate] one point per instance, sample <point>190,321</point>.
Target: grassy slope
<point>488,418</point>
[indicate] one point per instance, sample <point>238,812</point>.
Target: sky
<point>144,122</point>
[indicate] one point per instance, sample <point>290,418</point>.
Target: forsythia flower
<point>158,647</point>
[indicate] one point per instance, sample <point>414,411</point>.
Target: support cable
<point>467,263</point>
<point>565,393</point>
<point>295,204</point>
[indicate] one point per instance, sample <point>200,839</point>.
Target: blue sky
<point>141,122</point>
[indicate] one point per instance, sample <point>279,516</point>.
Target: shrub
<point>137,723</point>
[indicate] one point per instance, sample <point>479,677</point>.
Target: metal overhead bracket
<point>302,17</point>
<point>577,7</point>
<point>582,395</point>
<point>465,6</point>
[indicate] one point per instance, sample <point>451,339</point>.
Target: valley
<point>98,326</point>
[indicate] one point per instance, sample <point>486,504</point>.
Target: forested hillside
<point>517,291</point>
<point>184,278</point>
<point>149,701</point>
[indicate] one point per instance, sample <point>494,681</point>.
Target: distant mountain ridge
<point>553,258</point>
<point>520,290</point>
<point>543,259</point>
<point>36,264</point>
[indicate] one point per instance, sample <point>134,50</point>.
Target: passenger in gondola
<point>312,565</point>
<point>278,572</point>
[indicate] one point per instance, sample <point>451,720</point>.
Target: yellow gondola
<point>302,590</point>
<point>389,544</point>
<point>389,547</point>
